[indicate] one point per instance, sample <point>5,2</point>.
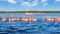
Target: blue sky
<point>29,5</point>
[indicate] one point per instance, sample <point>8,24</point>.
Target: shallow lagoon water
<point>38,27</point>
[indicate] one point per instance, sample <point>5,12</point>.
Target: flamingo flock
<point>26,19</point>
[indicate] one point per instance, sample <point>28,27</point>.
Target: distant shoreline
<point>29,12</point>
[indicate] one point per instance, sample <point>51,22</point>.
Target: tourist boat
<point>3,19</point>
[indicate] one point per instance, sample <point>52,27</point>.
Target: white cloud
<point>12,1</point>
<point>34,4</point>
<point>27,3</point>
<point>44,2</point>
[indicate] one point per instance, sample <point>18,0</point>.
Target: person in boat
<point>57,19</point>
<point>3,19</point>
